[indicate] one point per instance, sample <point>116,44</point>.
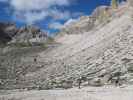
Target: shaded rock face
<point>7,31</point>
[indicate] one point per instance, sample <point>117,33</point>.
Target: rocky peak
<point>28,34</point>
<point>33,31</point>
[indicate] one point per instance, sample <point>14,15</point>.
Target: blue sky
<point>50,15</point>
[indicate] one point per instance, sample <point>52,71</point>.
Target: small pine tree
<point>114,4</point>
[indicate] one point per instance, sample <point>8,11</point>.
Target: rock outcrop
<point>83,24</point>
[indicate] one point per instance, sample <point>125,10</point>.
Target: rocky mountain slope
<point>102,52</point>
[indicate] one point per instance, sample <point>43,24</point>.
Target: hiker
<point>35,60</point>
<point>79,82</point>
<point>117,82</point>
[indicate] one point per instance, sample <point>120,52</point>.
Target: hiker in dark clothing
<point>79,82</point>
<point>117,82</point>
<point>35,60</point>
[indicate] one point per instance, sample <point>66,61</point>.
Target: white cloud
<point>55,25</point>
<point>26,5</point>
<point>59,15</point>
<point>33,17</point>
<point>58,25</point>
<point>37,10</point>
